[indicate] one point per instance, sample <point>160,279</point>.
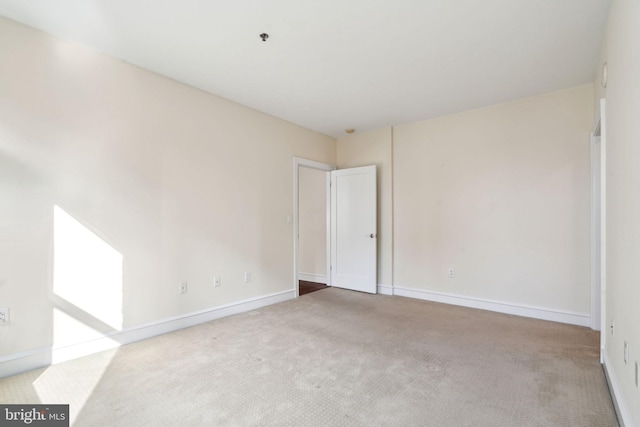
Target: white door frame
<point>598,296</point>
<point>297,163</point>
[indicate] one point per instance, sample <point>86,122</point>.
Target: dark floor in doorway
<point>308,287</point>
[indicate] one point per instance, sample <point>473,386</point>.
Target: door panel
<point>353,229</point>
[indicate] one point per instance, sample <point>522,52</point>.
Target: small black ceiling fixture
<point>264,37</point>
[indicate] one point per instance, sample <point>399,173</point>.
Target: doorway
<point>349,217</point>
<point>311,225</point>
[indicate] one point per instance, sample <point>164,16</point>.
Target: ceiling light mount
<point>350,130</point>
<point>264,37</point>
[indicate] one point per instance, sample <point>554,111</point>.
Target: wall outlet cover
<point>182,288</point>
<point>626,353</point>
<point>613,327</point>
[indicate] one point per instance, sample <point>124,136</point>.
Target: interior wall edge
<point>624,417</point>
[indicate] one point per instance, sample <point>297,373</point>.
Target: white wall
<point>622,95</point>
<point>375,148</point>
<point>502,194</point>
<point>312,223</point>
<point>181,184</point>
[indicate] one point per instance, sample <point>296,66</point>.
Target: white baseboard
<point>25,361</point>
<point>622,411</point>
<point>312,277</point>
<point>580,319</point>
<point>385,289</point>
<point>36,358</point>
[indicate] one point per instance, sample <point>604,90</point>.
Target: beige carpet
<point>338,358</point>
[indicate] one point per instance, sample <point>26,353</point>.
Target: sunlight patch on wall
<point>87,275</point>
<point>73,339</point>
<point>87,297</point>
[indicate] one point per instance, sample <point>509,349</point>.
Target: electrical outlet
<point>217,282</point>
<point>247,277</point>
<point>626,353</point>
<point>182,288</point>
<point>613,326</point>
<point>4,315</point>
<point>452,273</point>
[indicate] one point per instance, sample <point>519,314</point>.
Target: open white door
<point>353,229</point>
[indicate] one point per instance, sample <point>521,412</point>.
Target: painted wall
<point>622,95</point>
<point>375,148</point>
<point>118,184</point>
<point>312,223</point>
<point>502,194</point>
<point>100,160</point>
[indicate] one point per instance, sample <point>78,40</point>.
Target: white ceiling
<point>330,65</point>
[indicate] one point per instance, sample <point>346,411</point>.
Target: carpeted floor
<point>338,358</point>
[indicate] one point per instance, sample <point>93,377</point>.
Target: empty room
<point>296,213</point>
